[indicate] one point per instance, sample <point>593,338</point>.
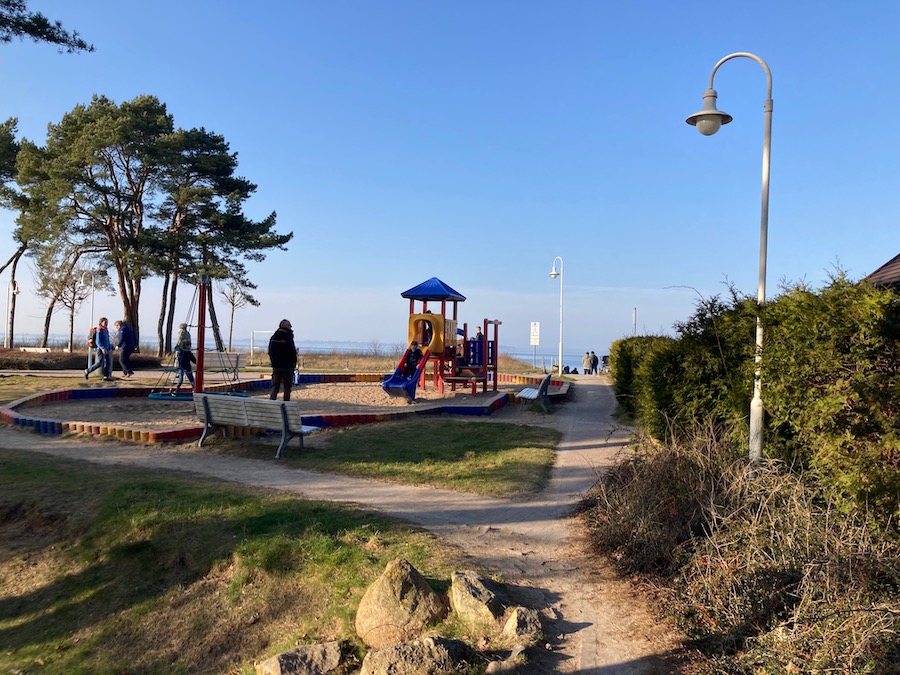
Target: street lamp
<point>553,275</point>
<point>12,288</point>
<point>708,121</point>
<point>90,356</point>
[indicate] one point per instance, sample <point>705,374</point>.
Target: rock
<point>514,663</point>
<point>398,606</point>
<point>428,656</point>
<point>476,600</point>
<point>319,659</point>
<point>523,625</point>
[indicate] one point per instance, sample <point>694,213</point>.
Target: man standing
<point>283,356</point>
<point>126,344</point>
<point>594,363</point>
<point>586,363</point>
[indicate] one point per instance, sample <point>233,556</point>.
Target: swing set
<point>228,364</point>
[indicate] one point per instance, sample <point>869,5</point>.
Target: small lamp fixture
<point>709,119</point>
<point>553,272</point>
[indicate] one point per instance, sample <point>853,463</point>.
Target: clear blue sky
<point>475,141</point>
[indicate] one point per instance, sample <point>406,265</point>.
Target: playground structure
<point>454,357</point>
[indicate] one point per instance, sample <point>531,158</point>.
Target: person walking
<point>595,361</point>
<point>586,363</point>
<point>283,356</point>
<point>104,348</point>
<point>126,344</point>
<point>184,357</point>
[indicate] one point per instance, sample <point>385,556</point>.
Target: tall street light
<point>90,355</point>
<point>553,275</point>
<point>708,121</point>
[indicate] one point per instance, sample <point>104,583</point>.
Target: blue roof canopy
<point>433,289</point>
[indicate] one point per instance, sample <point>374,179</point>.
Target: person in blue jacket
<point>104,346</point>
<point>126,343</point>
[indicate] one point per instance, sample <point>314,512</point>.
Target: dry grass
<point>768,573</point>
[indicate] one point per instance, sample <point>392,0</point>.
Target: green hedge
<point>830,373</point>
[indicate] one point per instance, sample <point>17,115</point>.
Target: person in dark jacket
<point>411,362</point>
<point>283,356</point>
<point>126,343</point>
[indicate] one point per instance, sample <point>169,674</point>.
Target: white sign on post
<point>535,333</point>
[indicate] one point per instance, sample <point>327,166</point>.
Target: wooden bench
<point>224,362</point>
<point>36,350</point>
<point>538,395</point>
<point>222,410</point>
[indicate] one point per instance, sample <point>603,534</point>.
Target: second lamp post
<point>553,275</point>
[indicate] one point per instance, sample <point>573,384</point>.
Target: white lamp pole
<point>708,121</point>
<point>92,293</point>
<point>90,351</point>
<point>553,275</point>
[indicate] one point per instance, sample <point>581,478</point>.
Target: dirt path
<point>596,623</point>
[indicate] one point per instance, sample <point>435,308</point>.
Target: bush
<point>768,574</point>
<point>831,383</point>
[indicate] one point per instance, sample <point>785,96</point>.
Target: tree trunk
<point>231,327</point>
<point>72,328</point>
<point>47,317</point>
<point>12,291</point>
<point>217,335</point>
<point>161,344</point>
<point>170,319</point>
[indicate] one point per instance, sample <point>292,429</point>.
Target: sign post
<point>535,341</point>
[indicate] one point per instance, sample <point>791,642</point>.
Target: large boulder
<point>318,659</point>
<point>477,601</point>
<point>428,656</point>
<point>398,606</point>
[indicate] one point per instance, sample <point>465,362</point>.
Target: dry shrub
<point>767,571</point>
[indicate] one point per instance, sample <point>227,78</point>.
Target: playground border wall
<point>16,413</point>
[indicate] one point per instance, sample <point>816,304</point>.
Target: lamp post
<point>90,355</point>
<point>708,121</point>
<point>553,275</point>
<point>12,288</point>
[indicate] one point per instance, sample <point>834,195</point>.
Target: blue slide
<point>400,385</point>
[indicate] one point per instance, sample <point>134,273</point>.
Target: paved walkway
<point>597,625</point>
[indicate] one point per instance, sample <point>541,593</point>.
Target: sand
<point>315,399</point>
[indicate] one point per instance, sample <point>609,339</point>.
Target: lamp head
<point>553,272</point>
<point>709,119</point>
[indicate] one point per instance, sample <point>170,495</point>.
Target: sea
<point>539,358</point>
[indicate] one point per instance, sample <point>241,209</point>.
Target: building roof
<point>887,275</point>
<point>433,289</point>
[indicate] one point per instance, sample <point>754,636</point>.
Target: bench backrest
<point>545,385</point>
<point>223,360</point>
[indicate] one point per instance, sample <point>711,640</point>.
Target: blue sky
<point>476,141</point>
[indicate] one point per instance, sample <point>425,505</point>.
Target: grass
<point>107,570</point>
<point>503,460</point>
<point>114,570</point>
